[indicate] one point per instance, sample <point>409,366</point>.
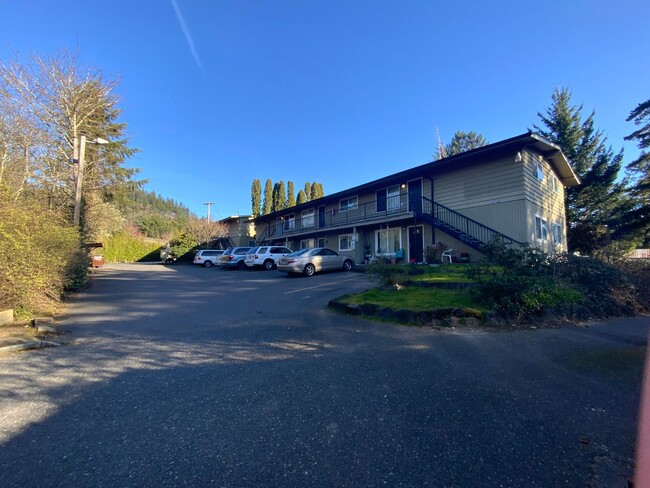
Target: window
<point>541,228</point>
<point>290,222</point>
<point>308,218</point>
<point>388,241</point>
<point>557,233</point>
<point>307,244</point>
<point>278,250</point>
<point>392,198</point>
<point>555,184</point>
<point>346,242</point>
<point>540,171</point>
<point>348,204</point>
<point>320,242</point>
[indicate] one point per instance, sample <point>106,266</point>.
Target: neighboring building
<point>241,231</point>
<point>513,190</point>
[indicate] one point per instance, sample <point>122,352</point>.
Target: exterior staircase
<point>459,226</point>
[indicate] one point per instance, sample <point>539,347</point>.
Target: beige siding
<point>496,182</point>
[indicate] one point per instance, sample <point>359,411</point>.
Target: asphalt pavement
<point>187,376</point>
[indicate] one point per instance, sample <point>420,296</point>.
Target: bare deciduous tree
<point>204,232</point>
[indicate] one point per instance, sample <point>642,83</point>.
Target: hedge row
<point>124,247</point>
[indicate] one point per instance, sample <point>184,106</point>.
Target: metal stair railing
<point>465,229</point>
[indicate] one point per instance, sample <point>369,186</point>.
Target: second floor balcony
<point>328,218</point>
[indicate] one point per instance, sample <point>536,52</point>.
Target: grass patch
<point>415,299</point>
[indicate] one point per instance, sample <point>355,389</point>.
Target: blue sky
<point>217,93</point>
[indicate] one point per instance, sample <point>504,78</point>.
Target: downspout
<point>433,227</point>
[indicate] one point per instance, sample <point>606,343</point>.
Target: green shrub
<point>124,247</point>
<point>183,247</point>
<point>390,274</point>
<point>39,257</point>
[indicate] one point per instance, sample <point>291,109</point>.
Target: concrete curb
<point>25,346</point>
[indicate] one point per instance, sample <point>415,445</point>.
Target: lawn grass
<point>415,298</point>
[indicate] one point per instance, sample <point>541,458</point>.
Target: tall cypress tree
<point>291,194</point>
<point>302,198</point>
<point>282,196</point>
<point>256,197</point>
<point>268,197</point>
<point>592,208</point>
<point>308,190</point>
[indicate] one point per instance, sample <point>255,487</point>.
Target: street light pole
<point>209,204</point>
<point>76,217</point>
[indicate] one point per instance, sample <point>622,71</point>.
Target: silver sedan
<point>310,261</point>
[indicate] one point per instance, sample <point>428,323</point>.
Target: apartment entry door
<point>416,244</point>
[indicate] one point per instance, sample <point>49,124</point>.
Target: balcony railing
<point>365,212</point>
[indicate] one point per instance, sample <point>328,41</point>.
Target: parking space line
<point>316,286</point>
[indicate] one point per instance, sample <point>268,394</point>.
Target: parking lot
<point>182,375</point>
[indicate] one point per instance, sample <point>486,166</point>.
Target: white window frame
<point>541,228</point>
<point>381,251</point>
<point>348,206</point>
<point>307,244</point>
<point>555,184</point>
<point>308,218</point>
<point>556,232</point>
<point>350,242</point>
<point>290,221</point>
<point>539,171</point>
<point>392,198</point>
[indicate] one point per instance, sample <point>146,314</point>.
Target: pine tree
<point>592,208</point>
<point>463,141</point>
<point>291,195</point>
<point>301,197</point>
<point>256,197</point>
<point>637,220</point>
<point>268,198</point>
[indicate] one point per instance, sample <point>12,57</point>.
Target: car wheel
<point>241,264</point>
<point>347,265</point>
<point>207,264</point>
<point>309,270</point>
<point>268,264</point>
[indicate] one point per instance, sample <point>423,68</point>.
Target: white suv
<point>266,256</point>
<point>208,257</point>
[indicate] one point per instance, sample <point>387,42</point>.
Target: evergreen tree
<point>637,220</point>
<point>268,198</point>
<point>313,191</point>
<point>291,195</point>
<point>301,197</point>
<point>592,208</point>
<point>463,141</point>
<point>256,197</point>
<point>282,196</point>
<point>307,191</point>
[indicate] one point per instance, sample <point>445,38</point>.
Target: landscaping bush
<point>386,275</point>
<point>124,247</point>
<point>525,282</point>
<point>39,258</point>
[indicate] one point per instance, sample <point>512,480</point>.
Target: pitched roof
<point>549,150</point>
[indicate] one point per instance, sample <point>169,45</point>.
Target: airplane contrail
<point>188,36</point>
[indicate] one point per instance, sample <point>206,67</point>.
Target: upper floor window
<point>541,228</point>
<point>290,222</point>
<point>308,218</point>
<point>539,171</point>
<point>555,183</point>
<point>348,204</point>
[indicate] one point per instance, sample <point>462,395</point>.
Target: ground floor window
<point>541,228</point>
<point>307,243</point>
<point>388,241</point>
<point>320,242</point>
<point>557,233</point>
<point>346,243</point>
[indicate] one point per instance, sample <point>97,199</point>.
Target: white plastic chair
<point>446,255</point>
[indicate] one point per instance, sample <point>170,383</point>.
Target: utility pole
<point>79,155</point>
<point>209,204</point>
